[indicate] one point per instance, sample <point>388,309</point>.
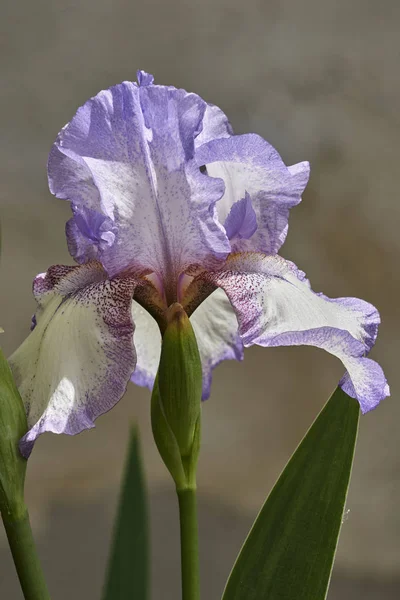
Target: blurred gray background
<point>320,81</point>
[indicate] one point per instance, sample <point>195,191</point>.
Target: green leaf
<point>128,572</point>
<point>12,427</point>
<point>289,552</point>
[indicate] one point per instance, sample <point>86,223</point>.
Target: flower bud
<point>176,399</point>
<point>12,427</point>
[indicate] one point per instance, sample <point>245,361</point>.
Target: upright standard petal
<point>248,165</point>
<point>215,125</point>
<point>216,329</point>
<point>128,156</point>
<point>275,306</point>
<point>78,359</point>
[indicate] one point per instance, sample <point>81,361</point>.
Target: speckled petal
<point>275,306</point>
<point>215,125</point>
<point>216,329</point>
<point>77,361</point>
<point>247,163</point>
<point>128,154</point>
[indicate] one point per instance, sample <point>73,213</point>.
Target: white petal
<point>147,345</point>
<point>216,328</point>
<point>275,306</point>
<point>76,363</point>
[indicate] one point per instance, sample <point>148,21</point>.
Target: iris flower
<point>170,206</point>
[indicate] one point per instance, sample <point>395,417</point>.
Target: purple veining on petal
<point>76,363</point>
<point>241,221</point>
<point>144,78</point>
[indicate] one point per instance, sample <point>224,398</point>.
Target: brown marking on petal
<point>196,292</point>
<point>147,295</point>
<point>66,279</point>
<point>86,340</point>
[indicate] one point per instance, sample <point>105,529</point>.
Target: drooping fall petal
<point>276,306</point>
<point>77,361</point>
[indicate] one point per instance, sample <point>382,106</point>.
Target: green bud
<point>176,399</point>
<point>12,427</point>
<point>180,377</point>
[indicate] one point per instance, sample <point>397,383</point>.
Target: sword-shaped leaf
<point>290,549</point>
<point>128,572</point>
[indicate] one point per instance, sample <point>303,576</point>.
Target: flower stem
<point>189,544</point>
<point>26,560</point>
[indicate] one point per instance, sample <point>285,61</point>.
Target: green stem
<point>26,560</point>
<point>189,544</point>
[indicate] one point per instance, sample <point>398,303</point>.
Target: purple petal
<point>275,306</point>
<point>128,155</point>
<point>215,125</point>
<point>33,322</point>
<point>89,234</point>
<point>77,361</point>
<point>366,382</point>
<point>241,221</point>
<point>144,78</point>
<point>247,163</point>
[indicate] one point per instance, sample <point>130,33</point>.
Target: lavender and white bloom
<point>170,206</point>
